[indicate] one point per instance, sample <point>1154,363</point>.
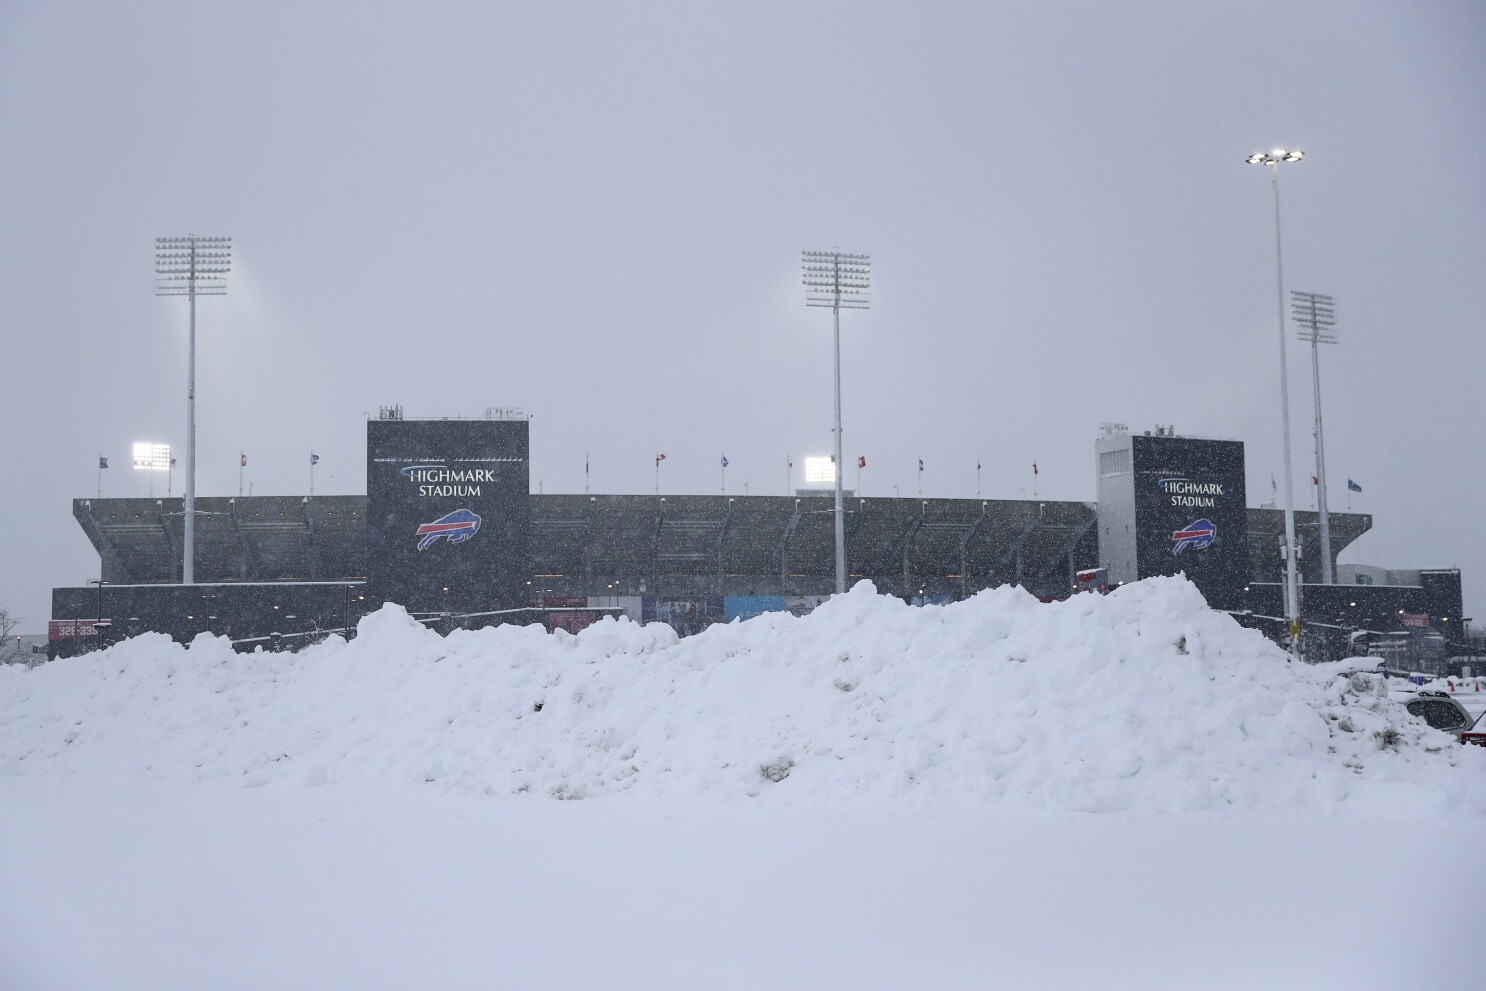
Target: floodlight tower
<point>839,281</point>
<point>1292,591</point>
<point>191,266</point>
<point>1316,316</point>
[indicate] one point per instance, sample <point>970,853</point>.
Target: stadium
<point>450,530</point>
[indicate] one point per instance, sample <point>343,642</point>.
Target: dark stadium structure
<point>674,545</point>
<point>288,549</point>
<point>272,569</point>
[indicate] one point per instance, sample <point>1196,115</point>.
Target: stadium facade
<point>450,530</point>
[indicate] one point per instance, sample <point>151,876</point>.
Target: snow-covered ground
<point>1119,791</point>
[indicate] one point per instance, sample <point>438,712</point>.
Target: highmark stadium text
<point>1185,492</point>
<point>441,480</point>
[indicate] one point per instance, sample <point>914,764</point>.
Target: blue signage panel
<point>749,606</point>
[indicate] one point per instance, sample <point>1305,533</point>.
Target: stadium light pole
<point>840,281</point>
<point>98,611</point>
<point>1292,591</point>
<point>191,266</point>
<point>1316,315</point>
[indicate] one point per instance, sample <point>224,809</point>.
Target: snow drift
<point>1144,700</point>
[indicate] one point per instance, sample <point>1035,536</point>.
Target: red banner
<point>66,629</point>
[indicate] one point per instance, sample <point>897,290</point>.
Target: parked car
<point>1477,733</point>
<point>1442,712</point>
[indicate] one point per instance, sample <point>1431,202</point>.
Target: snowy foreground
<point>875,795</point>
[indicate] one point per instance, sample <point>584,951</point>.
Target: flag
<point>977,466</point>
<point>1315,480</point>
<point>920,464</point>
<point>1272,483</point>
<point>1034,467</point>
<point>658,459</point>
<point>102,462</point>
<point>724,460</point>
<point>172,462</point>
<point>314,458</point>
<point>242,461</point>
<point>861,461</point>
<point>1351,485</point>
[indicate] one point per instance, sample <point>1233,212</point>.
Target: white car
<point>1442,712</point>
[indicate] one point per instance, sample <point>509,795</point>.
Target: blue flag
<point>102,462</point>
<point>1353,486</point>
<point>314,458</point>
<point>724,460</point>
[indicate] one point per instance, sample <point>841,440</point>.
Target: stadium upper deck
<point>680,546</point>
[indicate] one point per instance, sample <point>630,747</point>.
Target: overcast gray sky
<point>595,212</point>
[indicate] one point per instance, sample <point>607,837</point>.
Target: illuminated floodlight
<point>820,470</point>
<point>151,457</point>
<point>1275,157</point>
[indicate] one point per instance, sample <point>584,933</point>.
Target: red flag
<point>659,458</point>
<point>1315,480</point>
<point>862,461</point>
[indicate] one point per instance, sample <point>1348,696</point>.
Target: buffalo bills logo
<point>1196,535</point>
<point>457,527</point>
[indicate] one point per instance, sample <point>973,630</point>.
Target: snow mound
<point>1144,700</point>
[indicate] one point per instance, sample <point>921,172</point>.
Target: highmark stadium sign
<point>1190,513</point>
<point>448,509</point>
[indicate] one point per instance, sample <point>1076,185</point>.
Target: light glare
<point>820,470</point>
<point>151,457</point>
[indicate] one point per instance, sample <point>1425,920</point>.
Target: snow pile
<point>1144,700</point>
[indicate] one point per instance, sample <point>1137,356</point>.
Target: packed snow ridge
<point>1144,700</point>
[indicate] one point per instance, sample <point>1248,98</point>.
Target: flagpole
<point>585,473</point>
<point>100,477</point>
<point>789,468</point>
<point>242,461</point>
<point>977,478</point>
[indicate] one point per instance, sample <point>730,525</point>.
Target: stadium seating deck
<point>679,546</point>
